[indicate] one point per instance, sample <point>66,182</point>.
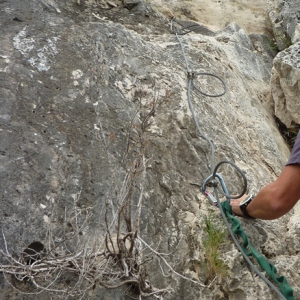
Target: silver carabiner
<point>208,194</point>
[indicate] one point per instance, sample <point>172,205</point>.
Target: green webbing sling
<point>249,250</point>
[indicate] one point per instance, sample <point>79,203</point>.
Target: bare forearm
<point>261,207</point>
<point>266,205</point>
<point>277,198</point>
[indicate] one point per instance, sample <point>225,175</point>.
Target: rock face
<point>285,21</point>
<point>97,140</point>
<point>285,73</point>
<point>219,14</point>
<point>285,85</point>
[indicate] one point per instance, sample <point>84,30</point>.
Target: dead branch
<point>111,258</point>
<point>168,265</point>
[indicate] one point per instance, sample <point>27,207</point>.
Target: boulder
<point>285,85</point>
<point>285,22</point>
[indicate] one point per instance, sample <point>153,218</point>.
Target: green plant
<point>285,40</point>
<point>214,265</point>
<point>272,45</point>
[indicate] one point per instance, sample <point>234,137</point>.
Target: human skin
<point>275,199</point>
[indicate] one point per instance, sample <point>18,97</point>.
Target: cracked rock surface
<point>86,92</point>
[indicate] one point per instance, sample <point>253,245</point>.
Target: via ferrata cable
<point>286,292</point>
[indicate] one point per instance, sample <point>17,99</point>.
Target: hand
<point>235,205</point>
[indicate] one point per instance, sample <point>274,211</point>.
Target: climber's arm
<point>277,198</point>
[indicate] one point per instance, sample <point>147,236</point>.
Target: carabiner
<point>212,179</point>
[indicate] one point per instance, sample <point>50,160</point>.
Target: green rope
<point>249,250</point>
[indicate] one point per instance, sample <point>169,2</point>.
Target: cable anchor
<point>191,75</point>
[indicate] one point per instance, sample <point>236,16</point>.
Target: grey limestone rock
<point>94,117</point>
<point>131,3</point>
<point>286,23</point>
<point>285,85</point>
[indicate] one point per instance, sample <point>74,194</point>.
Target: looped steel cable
<point>239,172</point>
<point>212,75</point>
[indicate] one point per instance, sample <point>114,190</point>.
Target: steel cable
<point>212,178</point>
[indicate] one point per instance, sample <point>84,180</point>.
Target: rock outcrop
<point>285,74</point>
<point>285,21</point>
<point>97,140</point>
<point>285,86</point>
